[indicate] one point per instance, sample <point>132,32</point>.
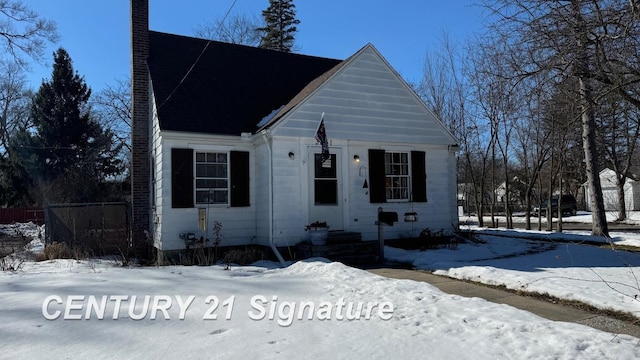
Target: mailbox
<point>387,217</point>
<point>189,239</point>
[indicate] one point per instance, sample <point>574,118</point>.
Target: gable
<point>219,88</point>
<point>608,179</point>
<point>365,99</point>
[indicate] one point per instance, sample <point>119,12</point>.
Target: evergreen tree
<point>67,154</point>
<point>280,25</point>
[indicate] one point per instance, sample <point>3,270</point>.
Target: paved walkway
<point>541,308</point>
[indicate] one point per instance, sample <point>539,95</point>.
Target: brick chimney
<point>140,158</point>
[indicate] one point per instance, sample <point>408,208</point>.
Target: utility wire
<point>198,58</point>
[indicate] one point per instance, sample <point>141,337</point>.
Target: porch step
<point>343,237</point>
<point>354,252</point>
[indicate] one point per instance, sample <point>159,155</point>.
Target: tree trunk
<point>527,205</point>
<point>479,202</point>
<point>507,199</point>
<point>622,206</point>
<point>549,212</point>
<point>539,203</point>
<point>598,215</point>
<point>559,223</point>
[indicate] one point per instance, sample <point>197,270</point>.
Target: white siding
<point>610,194</point>
<point>157,182</point>
<point>291,191</point>
<point>238,223</point>
<point>635,196</point>
<point>366,100</point>
<point>288,183</point>
<point>262,204</point>
<point>435,214</point>
<point>366,106</point>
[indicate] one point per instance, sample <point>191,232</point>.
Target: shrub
<point>243,257</point>
<point>55,250</point>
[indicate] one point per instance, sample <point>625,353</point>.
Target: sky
<point>96,33</point>
<point>107,311</point>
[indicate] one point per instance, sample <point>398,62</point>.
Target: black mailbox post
<point>384,218</point>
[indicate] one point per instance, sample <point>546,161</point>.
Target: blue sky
<point>96,33</point>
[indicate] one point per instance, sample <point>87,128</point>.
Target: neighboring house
<point>233,140</point>
<point>516,187</point>
<point>610,194</point>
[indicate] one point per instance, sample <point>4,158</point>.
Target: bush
<point>55,250</point>
<point>427,239</point>
<point>243,257</point>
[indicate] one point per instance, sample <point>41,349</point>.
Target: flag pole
<point>321,138</point>
<point>319,123</point>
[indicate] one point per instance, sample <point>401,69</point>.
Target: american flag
<point>321,138</point>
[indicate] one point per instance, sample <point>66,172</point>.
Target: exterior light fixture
<point>292,155</point>
<point>356,158</point>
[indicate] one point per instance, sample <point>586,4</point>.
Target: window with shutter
<point>397,176</point>
<point>220,178</point>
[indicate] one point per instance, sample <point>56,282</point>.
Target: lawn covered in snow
<point>350,313</point>
<point>601,277</point>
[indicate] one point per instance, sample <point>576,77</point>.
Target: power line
<point>198,58</point>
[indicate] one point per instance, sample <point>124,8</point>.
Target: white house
<point>233,140</point>
<point>610,192</point>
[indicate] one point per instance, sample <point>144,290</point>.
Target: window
<point>325,181</point>
<point>396,168</point>
<point>221,178</point>
<point>212,179</point>
<point>397,176</point>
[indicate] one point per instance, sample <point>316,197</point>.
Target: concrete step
<point>343,237</point>
<point>336,251</point>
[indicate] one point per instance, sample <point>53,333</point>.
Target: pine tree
<point>280,20</point>
<point>67,154</point>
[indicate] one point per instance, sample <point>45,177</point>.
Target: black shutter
<point>418,176</point>
<point>181,178</point>
<point>377,177</point>
<point>239,177</point>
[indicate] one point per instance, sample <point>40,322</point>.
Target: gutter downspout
<point>265,134</point>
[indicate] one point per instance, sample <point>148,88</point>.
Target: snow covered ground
<point>348,313</point>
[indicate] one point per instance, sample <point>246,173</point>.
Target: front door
<point>325,197</point>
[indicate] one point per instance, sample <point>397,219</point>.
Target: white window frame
<point>396,169</point>
<point>224,178</point>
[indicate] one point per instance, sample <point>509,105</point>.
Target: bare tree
<point>496,94</point>
<point>560,113</point>
<point>235,29</point>
<point>574,39</point>
<point>14,111</point>
<point>618,135</point>
<point>112,107</point>
<point>444,89</point>
<point>23,32</point>
<point>532,146</point>
<point>14,103</point>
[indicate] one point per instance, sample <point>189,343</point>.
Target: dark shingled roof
<point>230,88</point>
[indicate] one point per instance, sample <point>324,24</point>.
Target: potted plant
<point>318,232</point>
